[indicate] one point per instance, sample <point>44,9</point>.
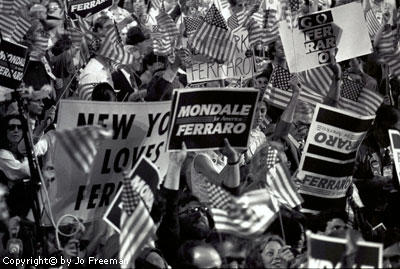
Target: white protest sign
<point>139,129</point>
<point>395,144</point>
<point>319,34</point>
<point>242,65</point>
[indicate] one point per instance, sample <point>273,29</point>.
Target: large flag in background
<point>237,19</point>
<point>388,49</point>
<point>213,38</point>
<point>267,19</point>
<point>279,182</point>
<point>162,45</point>
<point>373,24</point>
<point>22,26</point>
<point>80,144</point>
<point>191,24</point>
<point>113,49</point>
<point>7,24</point>
<point>317,80</point>
<point>167,26</point>
<point>137,226</point>
<point>247,216</point>
<point>278,91</point>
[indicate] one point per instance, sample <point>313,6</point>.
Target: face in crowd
<point>194,221</point>
<point>14,131</point>
<point>261,112</point>
<point>35,106</point>
<point>270,253</point>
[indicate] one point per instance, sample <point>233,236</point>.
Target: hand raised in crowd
<point>178,157</point>
<point>295,84</point>
<point>49,115</point>
<point>284,257</point>
<point>229,152</point>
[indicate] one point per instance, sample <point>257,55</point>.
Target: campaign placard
<point>85,8</point>
<point>328,252</point>
<point>203,118</point>
<point>140,129</point>
<point>323,34</point>
<point>242,66</point>
<point>145,179</point>
<point>395,145</point>
<point>16,55</point>
<point>327,162</point>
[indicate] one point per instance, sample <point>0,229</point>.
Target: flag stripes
<point>281,99</point>
<point>373,24</point>
<point>7,24</point>
<point>113,50</point>
<point>80,144</point>
<point>22,26</point>
<point>317,80</point>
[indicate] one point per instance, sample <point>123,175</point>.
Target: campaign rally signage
<point>318,35</point>
<point>16,55</point>
<point>242,66</point>
<point>202,118</point>
<point>145,179</point>
<point>327,162</point>
<point>328,252</point>
<point>85,8</point>
<point>395,144</point>
<point>139,129</point>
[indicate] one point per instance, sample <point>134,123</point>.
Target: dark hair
<point>186,198</point>
<point>325,216</point>
<point>103,92</point>
<point>387,114</point>
<point>63,44</point>
<point>3,130</point>
<point>99,23</point>
<point>134,36</point>
<point>184,255</point>
<point>151,58</point>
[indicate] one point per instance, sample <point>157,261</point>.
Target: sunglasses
<point>11,127</point>
<point>193,210</point>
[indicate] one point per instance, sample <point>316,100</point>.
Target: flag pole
<point>281,224</point>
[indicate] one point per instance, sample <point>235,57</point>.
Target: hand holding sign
<point>228,151</point>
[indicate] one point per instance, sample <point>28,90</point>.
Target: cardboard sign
<point>395,144</point>
<point>328,252</point>
<point>145,178</point>
<point>86,8</point>
<point>16,58</point>
<point>242,67</point>
<point>139,129</point>
<point>319,34</point>
<point>202,118</point>
<point>327,162</point>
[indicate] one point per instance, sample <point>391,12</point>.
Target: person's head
<point>391,256</point>
<point>38,11</point>
<point>103,92</point>
<point>101,25</point>
<point>387,117</point>
<point>150,258</point>
<point>264,251</point>
<point>138,43</point>
<point>237,5</point>
<point>261,112</point>
<point>11,131</point>
<point>276,51</point>
<point>302,120</point>
<point>332,220</point>
<point>36,104</point>
<point>262,81</point>
<point>64,43</point>
<point>194,218</point>
<point>153,62</point>
<point>197,254</point>
<point>233,250</point>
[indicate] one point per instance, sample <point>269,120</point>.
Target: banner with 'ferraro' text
<point>86,8</point>
<point>12,56</point>
<point>329,252</point>
<point>139,129</point>
<point>327,163</point>
<point>204,117</point>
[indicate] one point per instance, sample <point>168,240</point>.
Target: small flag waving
<point>247,216</point>
<point>373,24</point>
<point>166,25</point>
<point>162,45</point>
<point>191,24</point>
<point>113,49</point>
<point>282,187</point>
<point>137,226</point>
<point>213,38</point>
<point>267,19</point>
<point>80,144</point>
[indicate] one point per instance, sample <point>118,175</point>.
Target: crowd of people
<point>186,236</point>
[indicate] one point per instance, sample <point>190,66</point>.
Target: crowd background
<point>67,60</point>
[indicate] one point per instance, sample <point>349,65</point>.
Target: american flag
<point>41,42</point>
<point>167,26</point>
<point>213,39</point>
<point>191,24</point>
<point>366,104</point>
<point>387,44</point>
<point>113,49</point>
<point>156,3</point>
<point>278,93</point>
<point>7,6</point>
<point>290,11</point>
<point>267,19</point>
<point>7,24</point>
<point>20,4</point>
<point>247,216</point>
<point>80,144</point>
<point>256,32</point>
<point>282,187</point>
<point>317,80</point>
<point>394,63</point>
<point>237,19</point>
<point>373,24</point>
<point>137,226</point>
<point>222,4</point>
<point>84,91</point>
<point>162,45</point>
<point>83,24</point>
<point>351,89</point>
<point>23,25</point>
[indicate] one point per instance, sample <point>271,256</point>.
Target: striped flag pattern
<point>80,144</point>
<point>366,104</point>
<point>317,80</point>
<point>22,26</point>
<point>7,24</point>
<point>373,24</point>
<point>282,187</point>
<point>7,6</point>
<point>223,4</point>
<point>256,32</point>
<point>387,44</point>
<point>237,19</point>
<point>394,63</point>
<point>20,4</point>
<point>213,38</point>
<point>267,19</point>
<point>84,91</point>
<point>83,24</point>
<point>114,50</point>
<point>162,45</point>
<point>167,26</point>
<point>156,4</point>
<point>137,226</point>
<point>247,216</point>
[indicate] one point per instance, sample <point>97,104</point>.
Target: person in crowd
<point>232,249</point>
<point>197,254</point>
<point>103,92</point>
<point>332,220</point>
